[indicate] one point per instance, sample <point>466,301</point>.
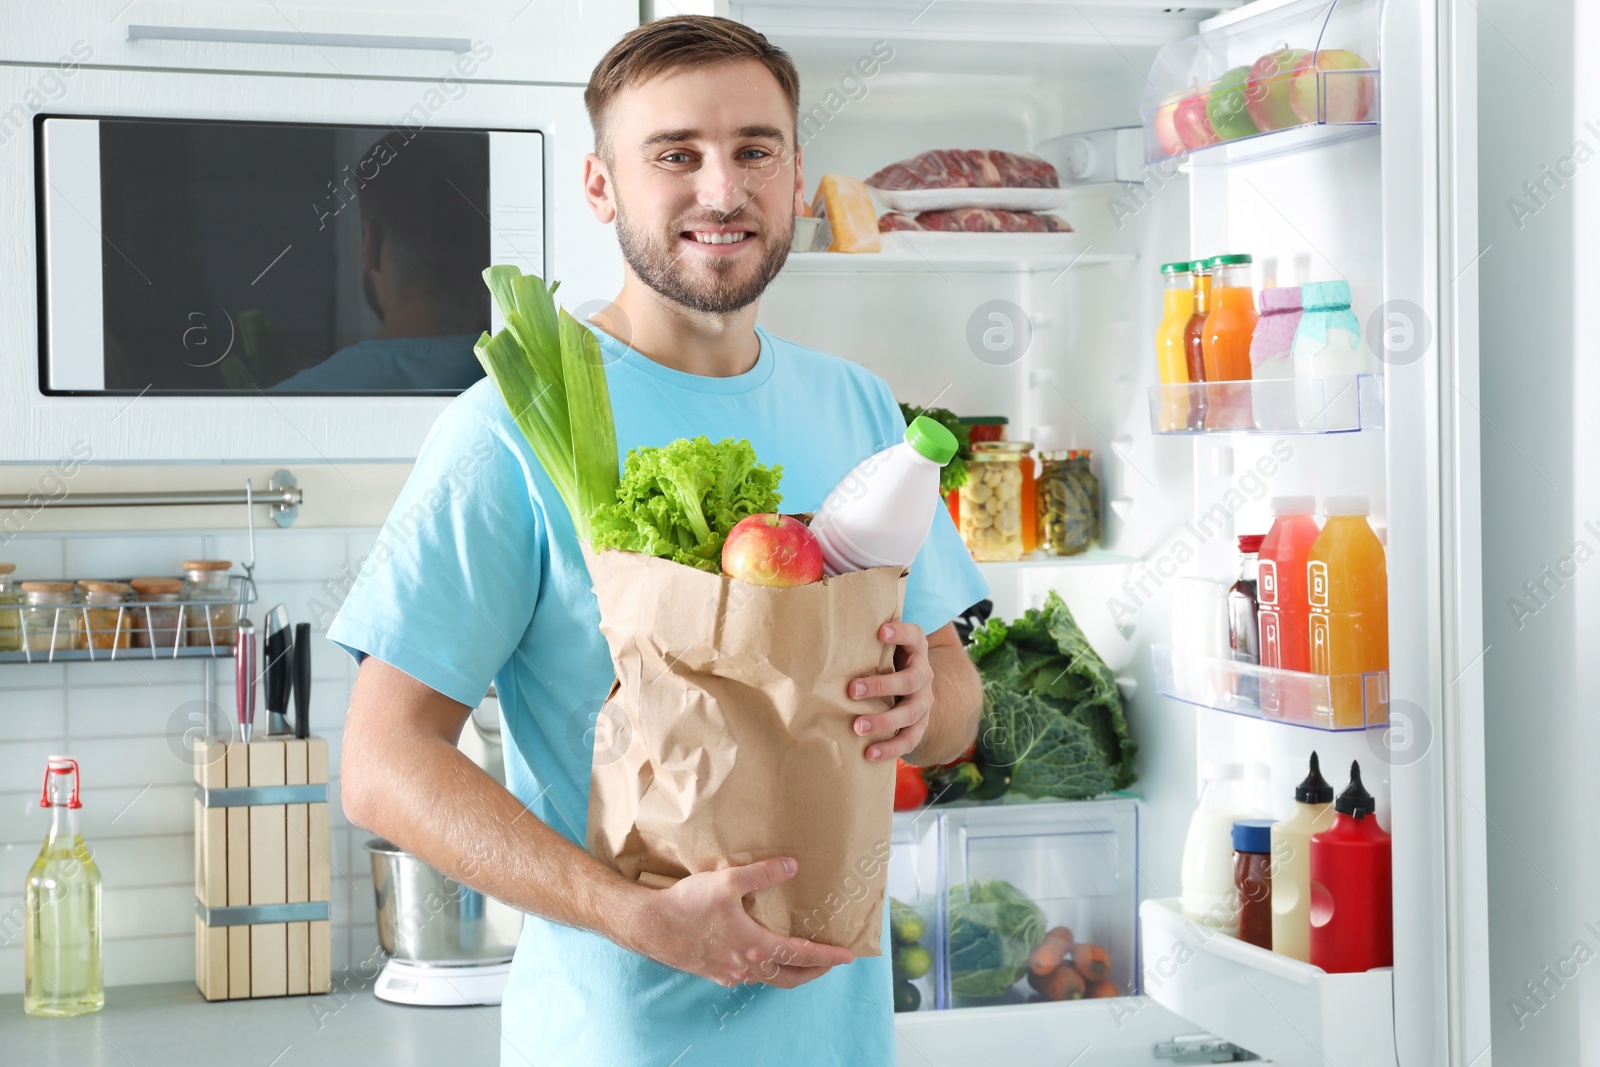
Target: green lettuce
<point>679,502</point>
<point>550,374</point>
<point>993,929</point>
<point>1051,710</point>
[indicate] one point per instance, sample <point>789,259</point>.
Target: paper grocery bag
<point>728,738</point>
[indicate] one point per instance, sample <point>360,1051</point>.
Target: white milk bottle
<point>1208,893</point>
<point>880,513</point>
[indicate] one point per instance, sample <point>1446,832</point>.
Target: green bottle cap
<point>1229,261</point>
<point>1177,268</point>
<point>931,440</point>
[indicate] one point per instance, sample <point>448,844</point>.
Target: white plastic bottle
<point>1291,864</point>
<point>1208,893</point>
<point>1327,355</point>
<point>880,514</point>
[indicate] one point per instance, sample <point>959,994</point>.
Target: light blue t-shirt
<point>393,363</point>
<point>477,576</point>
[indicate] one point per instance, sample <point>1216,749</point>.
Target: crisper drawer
<point>1279,1008</point>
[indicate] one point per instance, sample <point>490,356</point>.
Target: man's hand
<point>939,696</point>
<point>912,682</point>
<point>699,925</point>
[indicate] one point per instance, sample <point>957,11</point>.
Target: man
<point>696,162</point>
<point>424,245</point>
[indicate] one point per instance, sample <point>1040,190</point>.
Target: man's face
<point>704,183</point>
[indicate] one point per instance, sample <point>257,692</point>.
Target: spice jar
<point>46,627</point>
<point>212,614</point>
<point>1030,510</point>
<point>1068,497</point>
<point>991,506</point>
<point>157,615</point>
<point>107,622</point>
<point>10,610</point>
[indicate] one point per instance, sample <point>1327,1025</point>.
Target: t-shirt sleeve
<point>944,581</point>
<point>448,590</point>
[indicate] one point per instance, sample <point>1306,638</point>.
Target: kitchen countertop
<point>171,1025</point>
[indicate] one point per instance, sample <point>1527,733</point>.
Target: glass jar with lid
<point>107,621</point>
<point>10,610</point>
<point>49,621</point>
<point>991,506</point>
<point>157,613</point>
<point>211,616</point>
<point>1028,466</point>
<point>1068,502</point>
<point>982,428</point>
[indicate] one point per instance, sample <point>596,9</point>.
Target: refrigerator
<point>1375,184</point>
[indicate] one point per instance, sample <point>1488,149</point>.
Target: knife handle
<point>244,678</point>
<point>302,680</point>
<point>278,650</point>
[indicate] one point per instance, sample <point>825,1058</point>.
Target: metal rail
<point>283,495</point>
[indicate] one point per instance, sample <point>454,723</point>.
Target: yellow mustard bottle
<point>62,973</point>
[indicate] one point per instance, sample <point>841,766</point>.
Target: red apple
<point>1166,131</point>
<point>1194,128</point>
<point>775,550</point>
<point>1267,88</point>
<point>1349,96</point>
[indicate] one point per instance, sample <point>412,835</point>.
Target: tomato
<point>910,788</point>
<point>966,757</point>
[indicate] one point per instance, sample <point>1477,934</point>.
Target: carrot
<point>1092,961</point>
<point>1047,957</point>
<point>1104,987</point>
<point>1063,983</point>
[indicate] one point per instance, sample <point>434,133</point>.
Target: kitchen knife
<point>278,651</point>
<point>244,678</point>
<point>302,680</point>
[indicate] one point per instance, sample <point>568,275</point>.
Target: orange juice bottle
<point>1172,362</point>
<point>1225,342</point>
<point>1193,348</point>
<point>1347,586</point>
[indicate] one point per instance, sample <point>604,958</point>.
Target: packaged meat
<point>991,220</point>
<point>894,220</point>
<point>967,168</point>
<point>849,221</point>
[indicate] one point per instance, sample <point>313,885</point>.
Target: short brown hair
<point>675,43</point>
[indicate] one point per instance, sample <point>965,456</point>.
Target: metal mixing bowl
<point>425,917</point>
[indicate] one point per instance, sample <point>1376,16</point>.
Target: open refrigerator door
<point>1323,167</point>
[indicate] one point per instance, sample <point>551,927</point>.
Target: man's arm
<point>940,696</point>
<point>402,777</point>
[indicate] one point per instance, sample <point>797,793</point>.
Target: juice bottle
<point>1352,888</point>
<point>1193,343</point>
<point>61,957</point>
<point>1348,594</point>
<point>1291,864</point>
<point>1285,614</point>
<point>1225,343</point>
<point>1172,360</point>
<point>880,513</point>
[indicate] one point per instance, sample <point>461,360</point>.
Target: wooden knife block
<point>255,861</point>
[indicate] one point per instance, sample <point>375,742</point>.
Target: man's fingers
<point>900,743</point>
<point>798,952</point>
<point>789,977</point>
<point>904,633</point>
<point>763,874</point>
<point>904,714</point>
<point>916,676</point>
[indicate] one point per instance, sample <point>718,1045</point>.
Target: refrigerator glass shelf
<point>1345,404</point>
<point>1094,557</point>
<point>1281,1009</point>
<point>1266,79</point>
<point>1334,703</point>
<point>947,262</point>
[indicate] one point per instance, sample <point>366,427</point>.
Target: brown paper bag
<point>728,738</point>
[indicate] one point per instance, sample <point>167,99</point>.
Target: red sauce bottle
<point>1352,888</point>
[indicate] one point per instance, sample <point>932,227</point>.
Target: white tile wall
<point>124,722</point>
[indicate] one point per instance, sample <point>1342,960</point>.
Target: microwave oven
<point>207,257</point>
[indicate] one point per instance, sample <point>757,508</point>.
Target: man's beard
<point>659,266</point>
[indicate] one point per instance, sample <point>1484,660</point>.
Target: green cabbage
<point>993,929</point>
<point>1051,710</point>
<point>680,501</point>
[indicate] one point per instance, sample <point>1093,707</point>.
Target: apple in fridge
<point>1349,96</point>
<point>1166,128</point>
<point>1267,88</point>
<point>775,550</point>
<point>1227,107</point>
<point>1194,129</point>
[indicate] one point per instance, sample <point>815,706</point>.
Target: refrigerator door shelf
<point>1285,1011</point>
<point>1335,703</point>
<point>1344,404</point>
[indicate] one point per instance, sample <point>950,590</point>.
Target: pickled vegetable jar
<point>1068,496</point>
<point>991,506</point>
